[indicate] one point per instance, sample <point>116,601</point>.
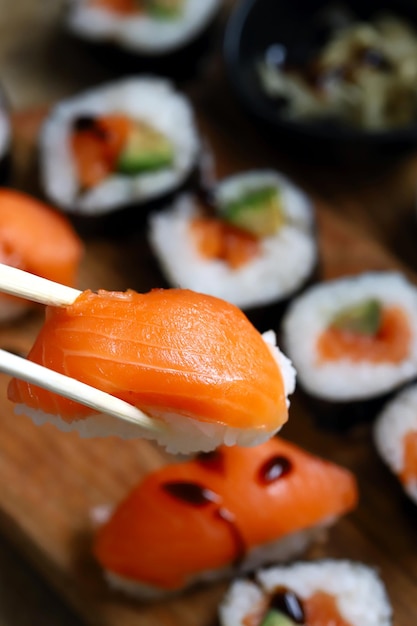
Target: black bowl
<point>255,25</point>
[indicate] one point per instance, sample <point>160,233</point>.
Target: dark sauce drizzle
<point>274,468</point>
<point>88,123</point>
<point>197,495</point>
<point>191,493</point>
<point>226,516</point>
<point>287,602</point>
<point>212,460</point>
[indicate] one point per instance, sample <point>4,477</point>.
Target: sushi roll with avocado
<point>121,145</point>
<point>170,35</point>
<point>327,592</point>
<point>353,342</point>
<point>254,246</point>
<point>395,434</point>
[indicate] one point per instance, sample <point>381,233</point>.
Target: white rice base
<point>360,594</point>
<point>5,133</point>
<point>149,99</point>
<point>141,33</point>
<point>184,435</point>
<point>396,420</point>
<point>309,315</point>
<point>282,550</point>
<point>286,261</point>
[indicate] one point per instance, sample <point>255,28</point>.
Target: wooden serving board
<point>51,482</point>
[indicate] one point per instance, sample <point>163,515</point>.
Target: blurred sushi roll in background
<point>330,592</point>
<point>254,246</point>
<point>35,238</point>
<point>353,342</point>
<point>395,434</point>
<point>120,145</point>
<point>169,35</point>
<point>222,513</point>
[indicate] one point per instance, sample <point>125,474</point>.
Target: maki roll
<point>123,144</point>
<point>353,342</point>
<point>191,361</point>
<point>395,434</point>
<point>254,246</point>
<point>219,514</point>
<point>158,33</point>
<point>35,238</point>
<point>326,592</point>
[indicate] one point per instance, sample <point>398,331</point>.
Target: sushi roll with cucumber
<point>327,592</point>
<point>123,144</point>
<point>170,35</point>
<point>254,244</point>
<point>353,342</point>
<point>395,434</point>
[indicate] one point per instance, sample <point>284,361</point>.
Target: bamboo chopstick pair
<point>19,283</point>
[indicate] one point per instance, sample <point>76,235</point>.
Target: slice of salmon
<point>170,351</point>
<point>216,239</point>
<point>208,513</point>
<point>96,148</point>
<point>121,7</point>
<point>36,238</point>
<point>391,344</point>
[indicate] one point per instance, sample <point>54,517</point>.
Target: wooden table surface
<point>38,67</point>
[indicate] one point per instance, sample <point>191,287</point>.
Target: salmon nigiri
<point>192,360</point>
<point>225,511</point>
<point>35,238</point>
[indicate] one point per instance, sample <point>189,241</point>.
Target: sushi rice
<point>187,435</point>
<point>360,594</point>
<point>149,99</point>
<point>308,316</point>
<point>282,550</point>
<point>141,33</point>
<point>286,261</point>
<point>396,420</point>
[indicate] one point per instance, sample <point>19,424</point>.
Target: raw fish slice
<point>35,238</point>
<point>229,510</point>
<point>190,359</point>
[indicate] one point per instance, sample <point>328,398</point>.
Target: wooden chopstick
<point>75,390</point>
<point>19,283</point>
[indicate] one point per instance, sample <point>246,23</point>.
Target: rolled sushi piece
<point>36,238</point>
<point>222,513</point>
<point>353,342</point>
<point>395,435</point>
<point>326,592</point>
<point>165,35</point>
<point>192,361</point>
<point>120,145</point>
<point>255,246</point>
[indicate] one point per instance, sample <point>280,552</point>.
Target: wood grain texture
<point>50,482</point>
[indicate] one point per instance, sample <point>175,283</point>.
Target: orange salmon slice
<point>168,351</point>
<point>391,344</point>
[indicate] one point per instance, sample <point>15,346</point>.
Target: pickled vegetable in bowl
<point>365,76</point>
